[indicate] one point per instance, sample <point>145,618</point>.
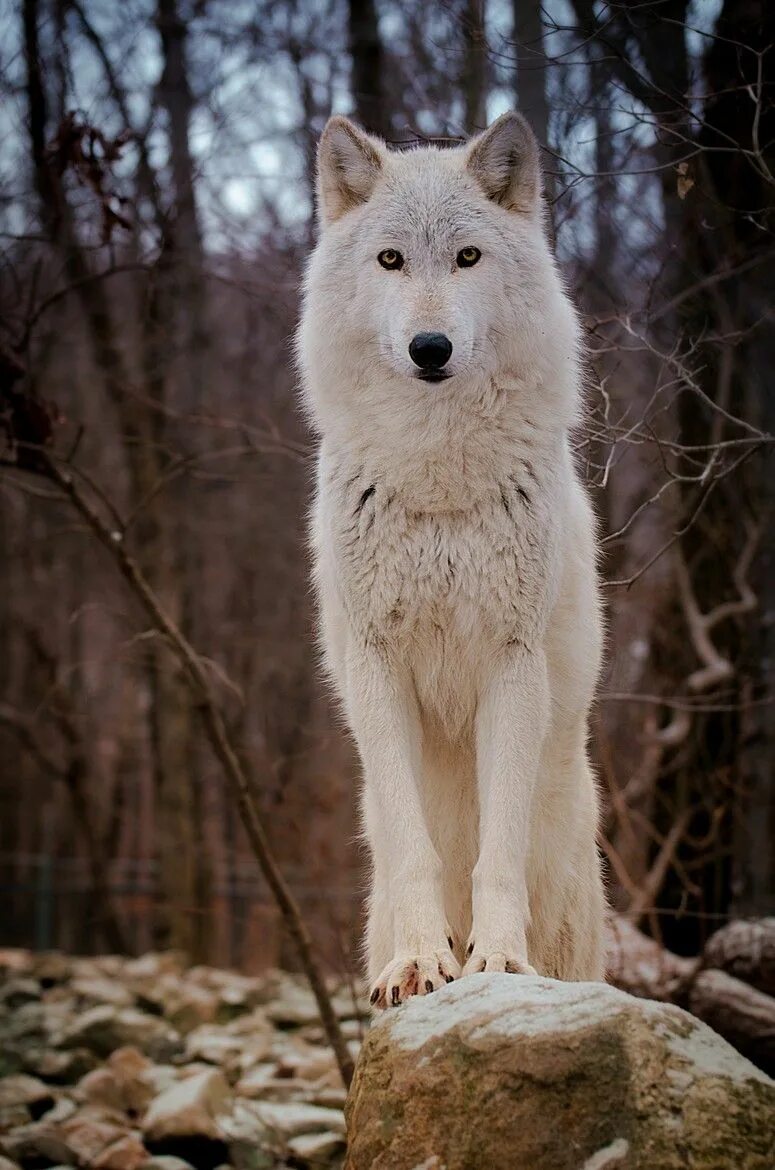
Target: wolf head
<point>432,275</point>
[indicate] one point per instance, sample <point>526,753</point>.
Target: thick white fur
<point>454,557</point>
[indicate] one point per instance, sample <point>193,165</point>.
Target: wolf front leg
<point>512,721</point>
<point>408,943</point>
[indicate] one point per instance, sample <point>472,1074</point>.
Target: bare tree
<point>368,66</point>
<point>474,75</point>
<point>532,64</point>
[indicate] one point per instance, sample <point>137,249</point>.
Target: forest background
<point>156,210</point>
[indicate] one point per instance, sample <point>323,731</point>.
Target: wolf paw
<point>477,961</point>
<point>413,975</point>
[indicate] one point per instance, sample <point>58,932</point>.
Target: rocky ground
<point>144,1064</point>
<point>122,1064</point>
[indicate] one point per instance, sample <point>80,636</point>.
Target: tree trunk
<point>741,108</point>
<point>142,430</point>
<point>368,66</point>
<point>530,91</point>
<point>716,207</point>
<point>473,82</point>
<point>531,80</point>
<point>186,245</point>
<point>177,347</point>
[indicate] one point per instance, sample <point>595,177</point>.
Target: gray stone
<point>236,1046</point>
<point>91,1131</point>
<point>99,967</point>
<point>127,1082</point>
<point>96,990</point>
<point>12,1116</point>
<point>293,1005</point>
<point>103,1029</point>
<point>63,1068</point>
<point>38,1144</point>
<point>185,1005</point>
<point>189,1108</point>
<point>255,1080</point>
<point>213,1045</point>
<point>126,1153</point>
<point>292,1118</point>
<point>27,1091</point>
<point>166,1162</point>
<point>16,992</point>
<point>330,1098</point>
<point>316,1147</point>
<point>14,960</point>
<point>63,1110</point>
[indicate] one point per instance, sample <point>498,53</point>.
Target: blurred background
<point>156,209</point>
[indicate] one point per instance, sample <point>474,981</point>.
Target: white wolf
<point>455,555</point>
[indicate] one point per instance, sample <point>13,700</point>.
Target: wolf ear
<point>349,163</point>
<point>505,161</point>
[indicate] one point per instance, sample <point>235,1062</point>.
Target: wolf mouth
<point>434,376</point>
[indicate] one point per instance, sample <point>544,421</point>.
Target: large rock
<point>523,1073</point>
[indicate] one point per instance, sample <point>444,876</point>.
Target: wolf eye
<point>467,257</point>
<point>391,259</point>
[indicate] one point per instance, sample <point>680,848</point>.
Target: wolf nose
<point>430,351</point>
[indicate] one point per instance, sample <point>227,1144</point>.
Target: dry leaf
<point>685,181</point>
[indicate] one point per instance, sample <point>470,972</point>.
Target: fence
<point>47,902</point>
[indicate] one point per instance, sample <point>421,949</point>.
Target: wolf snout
<point>431,352</point>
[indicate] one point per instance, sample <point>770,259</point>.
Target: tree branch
<point>199,682</point>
